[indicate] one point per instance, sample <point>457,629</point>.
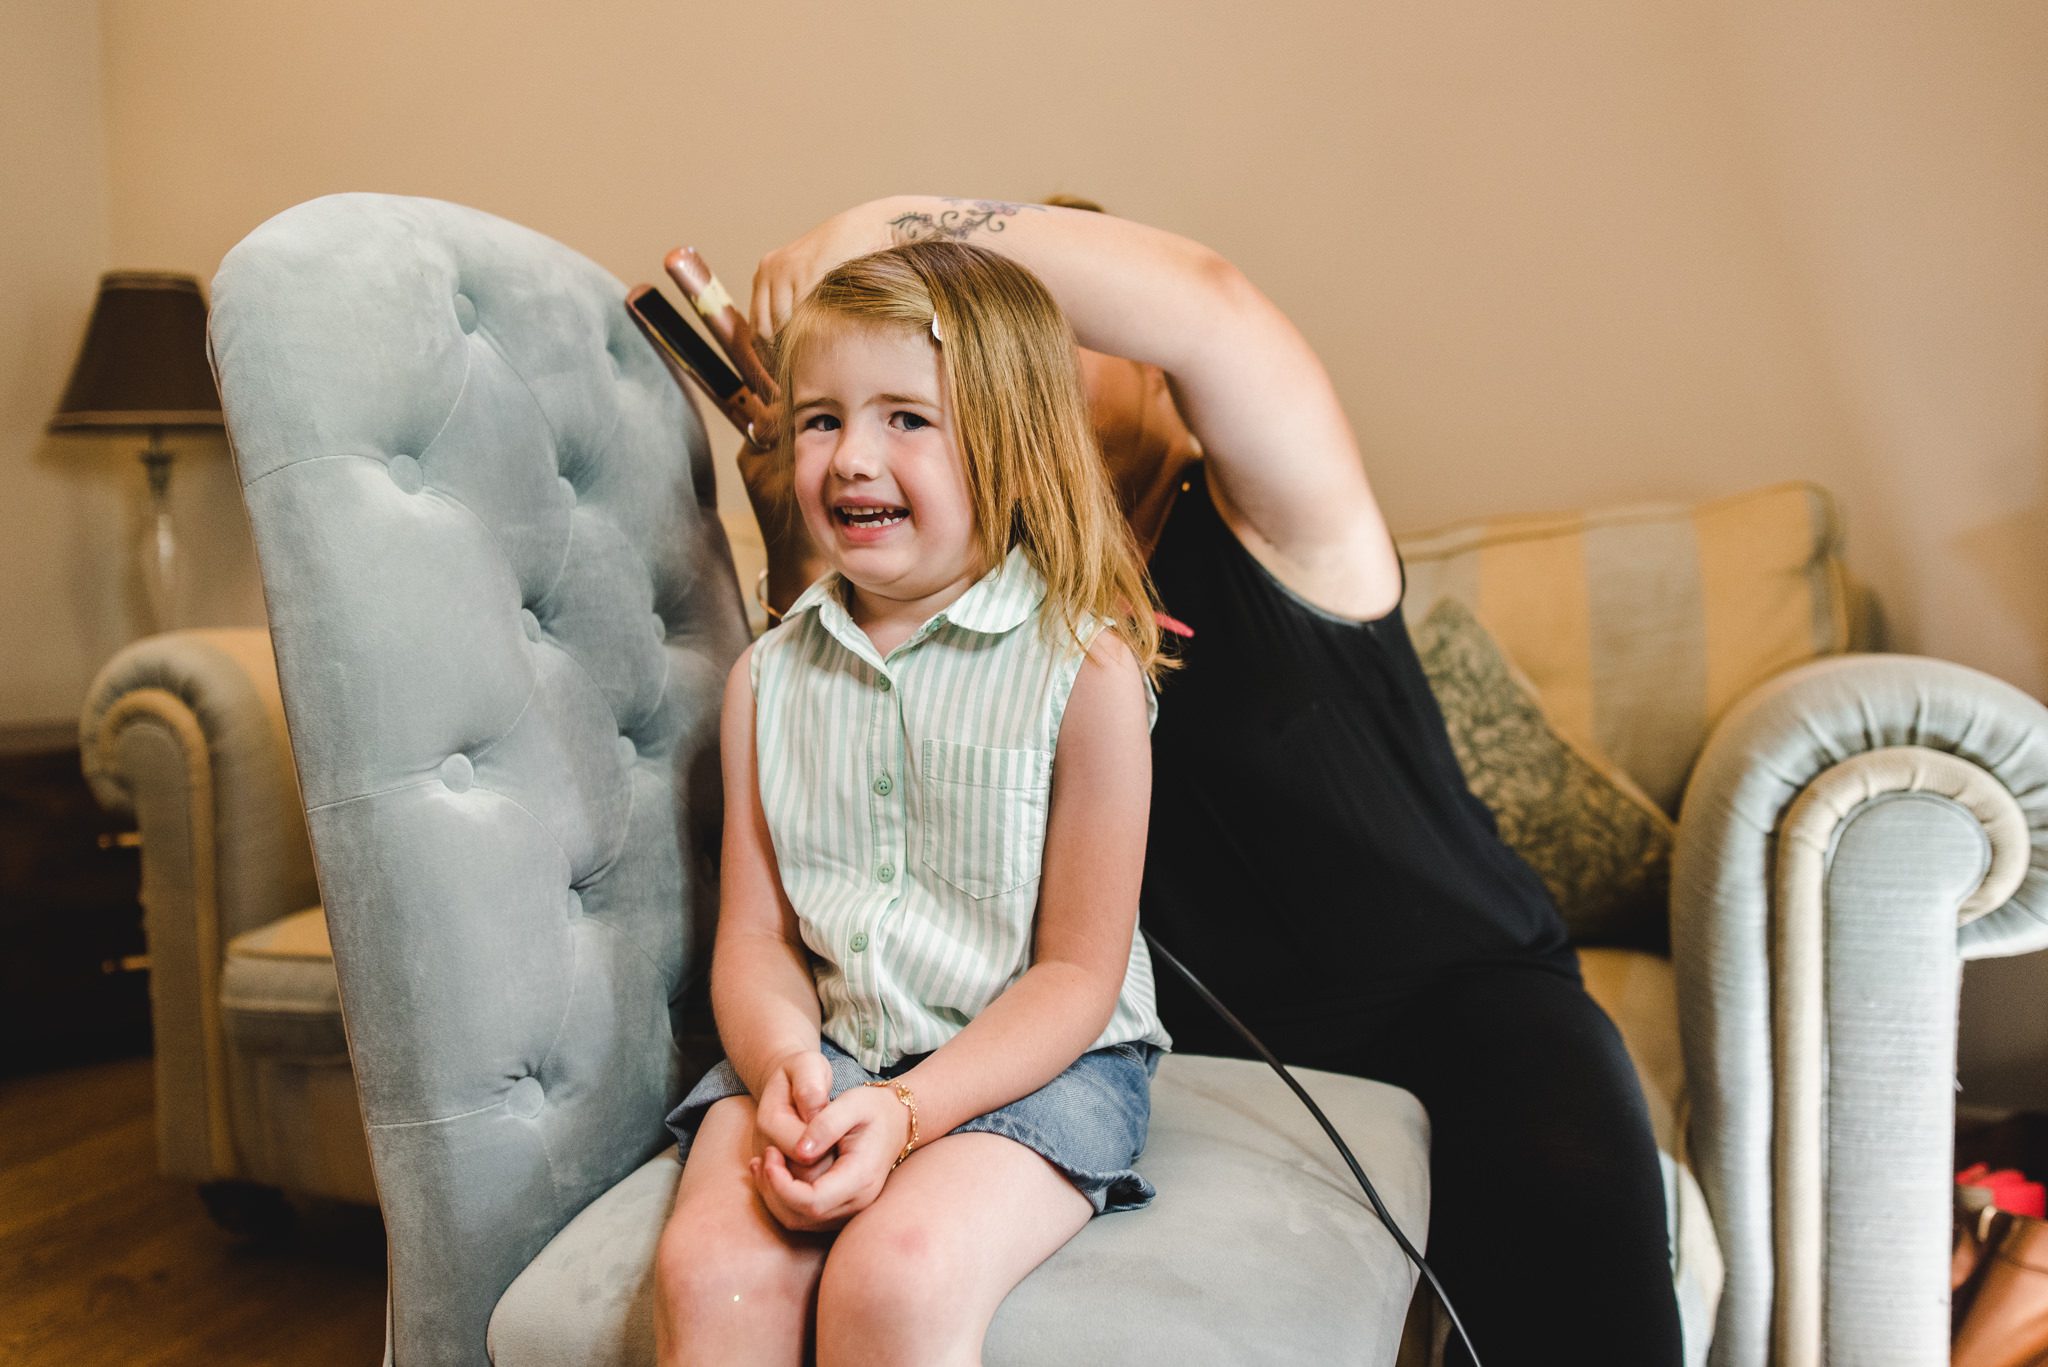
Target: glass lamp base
<point>158,550</point>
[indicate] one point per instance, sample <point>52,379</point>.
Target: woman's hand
<point>793,558</point>
<point>861,1132</point>
<point>796,1093</point>
<point>786,274</point>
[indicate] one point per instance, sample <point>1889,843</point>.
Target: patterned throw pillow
<point>1638,626</point>
<point>1599,844</point>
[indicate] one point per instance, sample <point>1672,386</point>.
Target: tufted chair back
<point>503,612</point>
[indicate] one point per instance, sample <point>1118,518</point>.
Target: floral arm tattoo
<point>958,223</point>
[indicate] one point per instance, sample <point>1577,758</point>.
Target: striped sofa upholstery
<point>1640,625</point>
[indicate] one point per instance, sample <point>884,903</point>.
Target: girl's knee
<point>736,1256</point>
<point>713,1264</point>
<point>886,1283</point>
<point>884,1262</point>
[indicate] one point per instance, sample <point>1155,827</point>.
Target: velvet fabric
<point>503,612</point>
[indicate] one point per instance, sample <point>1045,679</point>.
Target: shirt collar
<point>997,602</point>
<point>1000,600</point>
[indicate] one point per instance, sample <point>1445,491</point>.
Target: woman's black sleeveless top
<point>1315,855</point>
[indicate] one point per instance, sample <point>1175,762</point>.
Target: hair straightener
<point>748,398</point>
<point>690,355</point>
<point>715,306</point>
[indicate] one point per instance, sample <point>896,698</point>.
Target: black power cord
<point>1378,1206</point>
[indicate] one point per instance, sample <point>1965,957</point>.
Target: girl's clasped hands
<point>821,1162</point>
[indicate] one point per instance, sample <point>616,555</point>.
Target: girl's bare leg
<point>917,1276</point>
<point>731,1286</point>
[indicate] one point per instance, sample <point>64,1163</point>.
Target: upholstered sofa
<point>503,753</point>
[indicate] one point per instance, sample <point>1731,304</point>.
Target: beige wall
<point>73,506</point>
<point>1554,254</point>
<point>61,613</point>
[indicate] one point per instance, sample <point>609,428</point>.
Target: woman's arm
<point>762,994</point>
<point>1281,453</point>
<point>1087,911</point>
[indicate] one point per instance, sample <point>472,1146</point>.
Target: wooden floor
<point>104,1262</point>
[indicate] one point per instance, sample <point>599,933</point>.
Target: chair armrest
<point>185,730</point>
<point>1854,828</point>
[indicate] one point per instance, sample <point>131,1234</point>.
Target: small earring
<point>935,329</point>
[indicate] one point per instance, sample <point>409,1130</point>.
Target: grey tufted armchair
<point>503,610</point>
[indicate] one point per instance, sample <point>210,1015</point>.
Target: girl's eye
<point>910,418</point>
<point>816,418</point>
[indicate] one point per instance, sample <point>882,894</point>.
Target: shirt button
<point>886,872</point>
<point>867,1039</point>
<point>883,785</point>
<point>883,683</point>
<point>860,941</point>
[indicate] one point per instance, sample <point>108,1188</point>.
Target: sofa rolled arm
<point>186,731</point>
<point>1853,830</point>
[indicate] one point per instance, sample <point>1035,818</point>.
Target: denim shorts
<point>1089,1122</point>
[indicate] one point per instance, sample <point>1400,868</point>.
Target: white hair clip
<point>935,329</point>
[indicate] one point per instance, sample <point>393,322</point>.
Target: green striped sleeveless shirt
<point>906,799</point>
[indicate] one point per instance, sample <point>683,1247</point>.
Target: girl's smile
<point>878,473</point>
<point>866,522</point>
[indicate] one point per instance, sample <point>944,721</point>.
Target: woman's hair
<point>1035,476</point>
<point>1073,202</point>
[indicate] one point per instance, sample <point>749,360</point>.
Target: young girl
<point>937,1014</point>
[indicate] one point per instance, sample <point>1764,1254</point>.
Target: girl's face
<point>878,473</point>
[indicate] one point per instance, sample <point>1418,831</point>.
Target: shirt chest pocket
<point>984,815</point>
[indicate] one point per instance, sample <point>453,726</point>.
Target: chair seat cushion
<point>278,994</point>
<point>1259,1249</point>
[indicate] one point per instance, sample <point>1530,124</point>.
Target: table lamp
<point>143,367</point>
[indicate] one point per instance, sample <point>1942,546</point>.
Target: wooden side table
<point>74,979</point>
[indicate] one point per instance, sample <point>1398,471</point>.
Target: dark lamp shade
<point>144,359</point>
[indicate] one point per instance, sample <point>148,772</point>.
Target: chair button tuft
<point>458,773</point>
<point>406,474</point>
<point>629,753</point>
<point>529,625</point>
<point>574,907</point>
<point>525,1098</point>
<point>465,313</point>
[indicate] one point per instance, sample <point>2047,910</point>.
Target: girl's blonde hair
<point>1035,475</point>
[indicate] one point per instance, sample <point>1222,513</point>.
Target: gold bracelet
<point>761,597</point>
<point>909,1100</point>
